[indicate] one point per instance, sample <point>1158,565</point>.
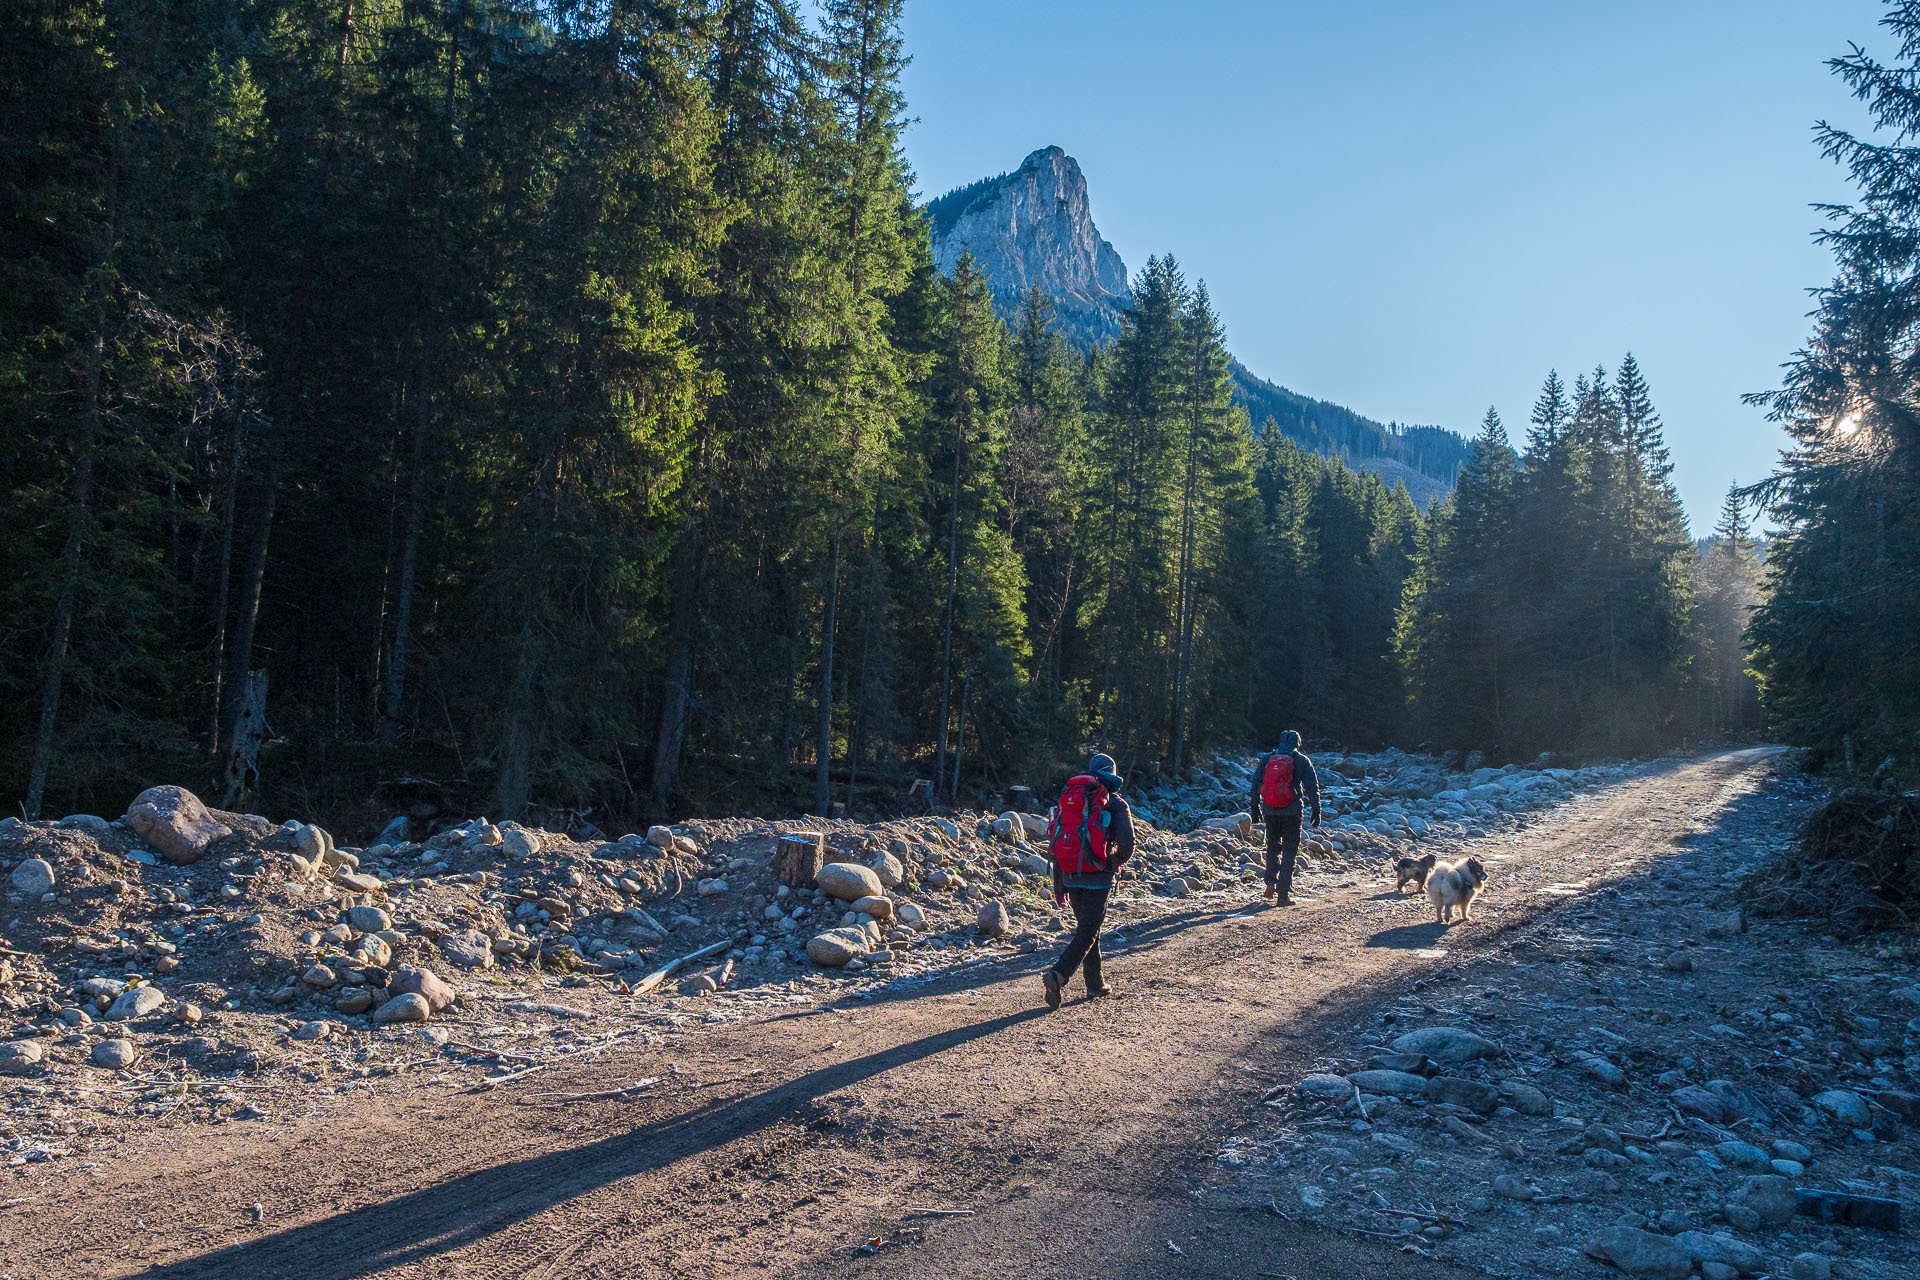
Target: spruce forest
<point>564,407</point>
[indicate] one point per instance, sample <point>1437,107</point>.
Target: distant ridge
<point>1034,225</point>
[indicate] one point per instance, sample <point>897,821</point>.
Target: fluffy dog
<point>1414,871</point>
<point>1455,884</point>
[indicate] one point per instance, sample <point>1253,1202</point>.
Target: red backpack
<point>1276,785</point>
<point>1077,837</point>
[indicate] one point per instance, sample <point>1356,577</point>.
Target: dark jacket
<point>1119,849</point>
<point>1306,784</point>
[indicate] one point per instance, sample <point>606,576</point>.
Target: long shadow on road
<point>453,1214</point>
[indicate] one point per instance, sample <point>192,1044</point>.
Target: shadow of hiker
<point>1409,937</point>
<point>450,1215</point>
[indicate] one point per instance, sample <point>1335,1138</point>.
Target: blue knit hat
<point>1103,768</point>
<point>1289,741</point>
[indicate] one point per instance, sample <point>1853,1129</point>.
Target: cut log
<point>665,971</point>
<point>798,857</point>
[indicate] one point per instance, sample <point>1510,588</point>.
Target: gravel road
<point>778,1147</point>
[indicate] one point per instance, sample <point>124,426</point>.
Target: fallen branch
<point>1431,1219</point>
<point>942,1213</point>
<point>562,1099</point>
<point>1359,1102</point>
<point>661,974</point>
<point>589,1051</point>
<point>1665,1129</point>
<point>464,1047</point>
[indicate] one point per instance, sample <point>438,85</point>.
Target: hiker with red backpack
<point>1089,839</point>
<point>1283,777</point>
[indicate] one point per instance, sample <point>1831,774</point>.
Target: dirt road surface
<point>779,1147</point>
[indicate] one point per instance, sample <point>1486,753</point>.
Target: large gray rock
<point>995,920</point>
<point>1525,1099</point>
<point>1398,1084</point>
<point>1723,1248</point>
<point>369,919</point>
<point>1471,1094</point>
<point>849,881</point>
<point>888,868</point>
<point>114,1055</point>
<point>834,948</point>
<point>1449,1045</point>
<point>1640,1253</point>
<point>1693,1100</point>
<point>137,1002</point>
<point>402,1008</point>
<point>21,1057</point>
<point>34,877</point>
<point>1846,1106</point>
<point>1742,1155</point>
<point>1326,1086</point>
<point>1765,1201</point>
<point>469,948</point>
<point>173,821</point>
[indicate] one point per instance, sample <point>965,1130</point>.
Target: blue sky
<point>1417,209</point>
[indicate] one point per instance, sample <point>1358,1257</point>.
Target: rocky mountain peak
<point>1035,226</point>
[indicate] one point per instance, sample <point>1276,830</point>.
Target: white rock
<point>888,868</point>
<point>879,908</point>
<point>834,948</point>
<point>136,1003</point>
<point>849,881</point>
<point>519,842</point>
<point>1449,1045</point>
<point>34,877</point>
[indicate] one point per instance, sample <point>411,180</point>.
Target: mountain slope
<point>1035,226</point>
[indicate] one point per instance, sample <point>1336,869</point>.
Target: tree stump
<point>798,857</point>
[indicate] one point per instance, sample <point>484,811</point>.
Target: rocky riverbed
<point>1644,1082</point>
<point>211,965</point>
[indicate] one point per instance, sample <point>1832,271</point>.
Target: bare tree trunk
<point>677,694</point>
<point>960,738</point>
<point>409,551</point>
<point>823,790</point>
<point>515,783</point>
<point>251,584</point>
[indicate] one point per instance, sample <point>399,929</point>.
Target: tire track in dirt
<point>961,1091</point>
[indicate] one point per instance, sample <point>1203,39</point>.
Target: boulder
<point>1513,1188</point>
<point>1846,1106</point>
<point>1398,1084</point>
<point>1471,1094</point>
<point>1812,1266</point>
<point>1326,1086</point>
<point>1035,865</point>
<point>994,919</point>
<point>173,821</point>
<point>1525,1099</point>
<point>1449,1045</point>
<point>888,868</point>
<point>1737,1101</point>
<point>1764,1201</point>
<point>136,1002</point>
<point>1693,1100</point>
<point>369,919</point>
<point>1640,1253</point>
<point>34,877</point>
<point>519,842</point>
<point>114,1054</point>
<point>403,1008</point>
<point>21,1057</point>
<point>469,948</point>
<point>1722,1248</point>
<point>432,989</point>
<point>834,948</point>
<point>1742,1155</point>
<point>312,1030</point>
<point>910,914</point>
<point>879,908</point>
<point>849,881</point>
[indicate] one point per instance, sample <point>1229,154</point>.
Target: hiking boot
<point>1283,900</point>
<point>1094,993</point>
<point>1268,894</point>
<point>1051,981</point>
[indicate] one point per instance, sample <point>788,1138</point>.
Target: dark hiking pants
<point>1089,913</point>
<point>1283,842</point>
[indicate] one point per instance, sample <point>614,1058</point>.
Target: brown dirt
<point>778,1146</point>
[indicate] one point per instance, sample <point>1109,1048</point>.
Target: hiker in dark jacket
<point>1087,888</point>
<point>1279,784</point>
